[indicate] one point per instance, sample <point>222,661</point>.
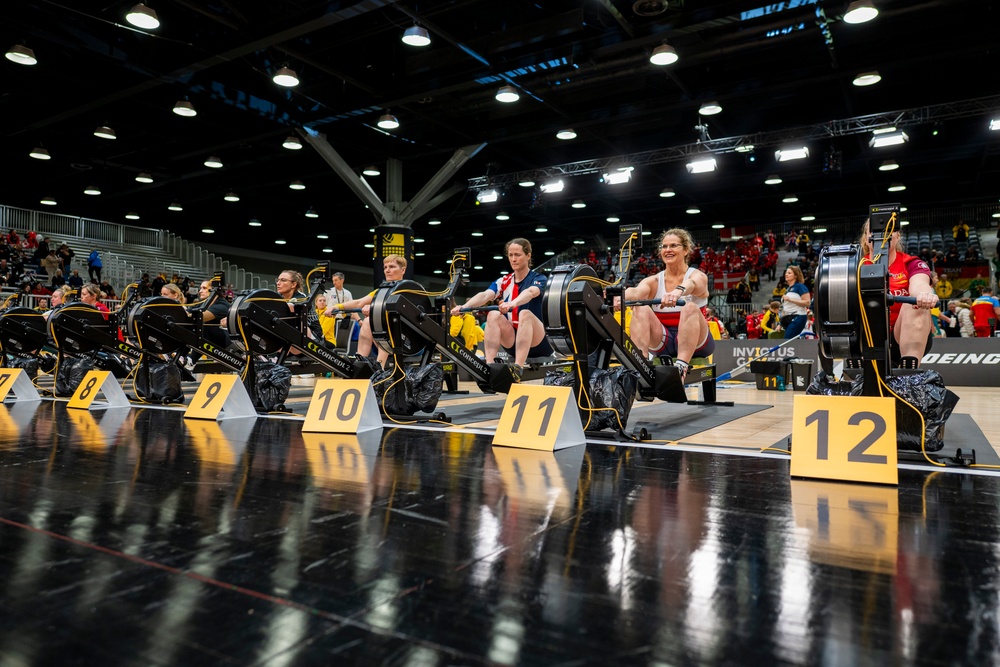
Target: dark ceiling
<point>782,71</point>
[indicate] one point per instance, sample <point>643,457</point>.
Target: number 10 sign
<point>850,438</point>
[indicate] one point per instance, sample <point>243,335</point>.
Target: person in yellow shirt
<point>771,324</point>
<point>467,329</point>
<point>943,287</point>
<point>328,323</point>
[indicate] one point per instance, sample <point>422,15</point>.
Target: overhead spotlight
<point>143,177</point>
<point>487,196</point>
<point>702,166</point>
<point>888,165</point>
<point>579,241</point>
<point>860,11</point>
<point>613,218</point>
<point>371,171</point>
<point>143,17</point>
<point>416,35</point>
<point>477,233</point>
<point>541,229</point>
<point>566,134</point>
<point>105,132</point>
<point>387,122</point>
<point>692,210</point>
<point>896,187</point>
<point>718,225</point>
<point>214,162</point>
<point>507,94</point>
<point>231,196</point>
<point>664,54</point>
<point>668,192</point>
<point>207,230</point>
<point>286,77</point>
<point>579,203</point>
<point>175,206</point>
<point>311,213</point>
<point>21,55</point>
<point>789,199</point>
<point>502,216</point>
<point>773,179</point>
<point>867,79</point>
<point>744,148</point>
<point>554,186</point>
<point>995,124</point>
<point>818,230</point>
<point>280,241</point>
<point>786,154</point>
<point>619,176</point>
<point>808,218</point>
<point>292,143</point>
<point>254,222</point>
<point>40,154</point>
<point>131,215</point>
<point>48,201</point>
<point>326,236</point>
<point>296,185</point>
<point>434,223</point>
<point>91,190</point>
<point>880,139</point>
<point>185,108</point>
<point>526,183</point>
<point>710,108</point>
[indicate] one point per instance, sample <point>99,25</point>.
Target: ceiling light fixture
<point>745,148</point>
<point>143,177</point>
<point>143,17</point>
<point>867,79</point>
<point>91,190</point>
<point>897,187</point>
<point>326,236</point>
<point>105,132</point>
<point>554,186</point>
<point>214,162</point>
<point>567,134</point>
<point>434,223</point>
<point>668,192</point>
<point>48,201</point>
<point>541,229</point>
<point>286,77</point>
<point>579,203</point>
<point>416,35</point>
<point>502,216</point>
<point>296,185</point>
<point>702,166</point>
<point>526,183</point>
<point>21,55</point>
<point>789,199</point>
<point>292,143</point>
<point>477,233</point>
<point>888,165</point>
<point>808,218</point>
<point>254,222</point>
<point>773,179</point>
<point>207,230</point>
<point>880,139</point>
<point>860,11</point>
<point>131,215</point>
<point>718,225</point>
<point>487,196</point>
<point>613,218</point>
<point>507,94</point>
<point>371,171</point>
<point>185,108</point>
<point>40,153</point>
<point>388,122</point>
<point>786,154</point>
<point>175,206</point>
<point>621,175</point>
<point>995,124</point>
<point>710,108</point>
<point>231,196</point>
<point>818,230</point>
<point>692,210</point>
<point>664,54</point>
<point>280,242</point>
<point>311,213</point>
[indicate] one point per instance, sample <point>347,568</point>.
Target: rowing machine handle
<point>900,299</point>
<point>651,302</point>
<point>479,309</point>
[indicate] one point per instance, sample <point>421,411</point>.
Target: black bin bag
<point>614,389</point>
<point>272,383</point>
<point>925,391</point>
<point>28,364</point>
<point>416,390</point>
<point>158,381</point>
<point>69,374</point>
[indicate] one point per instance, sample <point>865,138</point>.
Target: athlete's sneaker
<point>516,370</point>
<point>682,368</point>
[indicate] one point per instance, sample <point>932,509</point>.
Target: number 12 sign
<point>850,438</point>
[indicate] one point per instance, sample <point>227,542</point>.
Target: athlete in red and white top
<point>679,331</point>
<point>911,325</point>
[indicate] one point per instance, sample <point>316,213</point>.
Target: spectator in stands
<point>977,285</point>
<point>13,238</point>
<point>108,290</point>
<point>949,320</point>
<point>75,280</point>
<point>42,305</point>
<point>145,289</point>
<point>985,310</point>
<point>7,276</point>
<point>952,258</point>
<point>50,263</point>
<point>66,255</point>
<point>972,255</point>
<point>963,314</point>
<point>58,280</point>
<point>943,288</point>
<point>715,325</point>
<point>803,242</point>
<point>794,303</point>
<point>339,294</point>
<point>960,231</point>
<point>41,249</point>
<point>95,265</point>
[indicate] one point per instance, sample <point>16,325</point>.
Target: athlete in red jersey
<point>911,325</point>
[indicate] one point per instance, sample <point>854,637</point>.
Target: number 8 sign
<point>850,438</point>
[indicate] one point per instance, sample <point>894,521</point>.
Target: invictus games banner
<point>392,240</point>
<point>962,362</point>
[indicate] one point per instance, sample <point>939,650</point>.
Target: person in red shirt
<point>985,311</point>
<point>911,328</point>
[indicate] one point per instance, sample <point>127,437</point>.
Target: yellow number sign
<point>536,417</point>
<point>93,384</point>
<point>342,406</point>
<point>14,380</point>
<point>849,438</point>
<point>220,395</point>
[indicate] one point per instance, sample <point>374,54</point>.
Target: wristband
<point>681,288</point>
<point>340,306</point>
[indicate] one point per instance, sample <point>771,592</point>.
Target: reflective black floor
<point>135,537</point>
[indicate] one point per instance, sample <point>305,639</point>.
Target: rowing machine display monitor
<point>218,279</point>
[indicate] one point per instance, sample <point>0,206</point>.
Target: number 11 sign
<point>539,417</point>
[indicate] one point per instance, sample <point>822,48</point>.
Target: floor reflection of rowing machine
<point>580,322</point>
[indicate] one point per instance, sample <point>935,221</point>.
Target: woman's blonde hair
<point>799,276</point>
<point>865,242</point>
<point>176,291</point>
